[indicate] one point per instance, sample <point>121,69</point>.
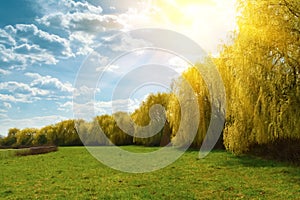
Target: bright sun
<point>180,11</point>
<point>205,21</point>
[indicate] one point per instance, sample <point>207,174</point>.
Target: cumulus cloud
<point>66,106</point>
<point>15,98</point>
<point>25,44</point>
<point>82,42</point>
<point>40,81</point>
<point>17,87</point>
<point>52,6</point>
<point>13,91</point>
<point>6,38</point>
<point>40,88</point>
<point>45,40</point>
<point>84,91</point>
<point>72,5</point>
<point>80,21</point>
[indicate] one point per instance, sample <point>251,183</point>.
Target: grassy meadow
<point>72,173</point>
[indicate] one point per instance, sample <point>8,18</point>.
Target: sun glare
<point>202,20</point>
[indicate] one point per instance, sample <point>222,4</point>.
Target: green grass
<point>72,173</point>
<point>7,153</point>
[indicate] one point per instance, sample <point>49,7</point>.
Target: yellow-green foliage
<point>261,73</point>
<point>25,136</point>
<point>178,117</point>
<point>141,118</point>
<point>112,131</point>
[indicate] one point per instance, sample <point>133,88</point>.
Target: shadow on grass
<point>222,159</point>
<point>282,168</point>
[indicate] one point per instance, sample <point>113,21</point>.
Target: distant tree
<point>50,133</point>
<point>122,129</point>
<point>25,136</point>
<point>94,136</point>
<point>41,139</point>
<point>10,139</point>
<point>82,129</point>
<point>67,134</point>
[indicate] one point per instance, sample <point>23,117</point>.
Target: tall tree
<point>190,101</point>
<point>261,72</point>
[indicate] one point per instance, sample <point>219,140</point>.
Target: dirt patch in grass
<point>36,150</point>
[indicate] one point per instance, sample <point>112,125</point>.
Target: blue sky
<point>43,43</point>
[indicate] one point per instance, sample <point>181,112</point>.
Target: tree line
<point>260,68</point>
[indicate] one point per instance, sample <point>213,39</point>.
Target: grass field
<point>72,173</point>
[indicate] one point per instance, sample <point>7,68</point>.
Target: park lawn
<point>72,173</point>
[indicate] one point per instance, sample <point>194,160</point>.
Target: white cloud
<point>77,16</point>
<point>26,48</point>
<point>82,6</point>
<point>91,23</point>
<point>81,21</point>
<point>5,72</point>
<point>98,59</point>
<point>11,98</point>
<point>39,80</point>
<point>82,41</point>
<point>126,42</point>
<point>88,110</point>
<point>84,92</point>
<point>52,6</point>
<point>6,38</point>
<point>25,44</point>
<point>52,38</point>
<point>110,68</point>
<point>40,88</point>
<point>84,110</point>
<point>18,87</point>
<point>67,106</point>
<point>108,107</point>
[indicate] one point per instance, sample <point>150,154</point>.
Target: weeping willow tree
<point>181,110</point>
<point>261,73</point>
<point>114,133</point>
<point>150,121</point>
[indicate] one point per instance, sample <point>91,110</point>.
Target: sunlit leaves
<point>261,73</point>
